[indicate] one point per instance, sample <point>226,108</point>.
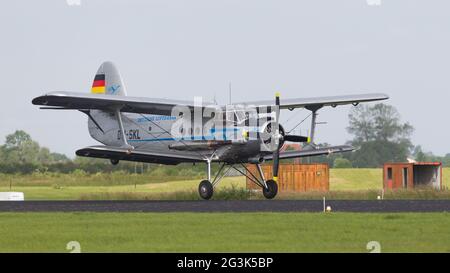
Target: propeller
<point>279,137</point>
<point>276,152</point>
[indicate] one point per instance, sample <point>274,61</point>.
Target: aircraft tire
<point>205,189</point>
<point>272,189</point>
<point>114,161</point>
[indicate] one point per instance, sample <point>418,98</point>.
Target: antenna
<point>229,91</point>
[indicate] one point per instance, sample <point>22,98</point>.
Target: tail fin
<point>108,81</point>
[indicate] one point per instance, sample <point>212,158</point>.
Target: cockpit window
<point>241,115</point>
<point>238,115</point>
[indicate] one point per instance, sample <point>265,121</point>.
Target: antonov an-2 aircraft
<point>170,132</point>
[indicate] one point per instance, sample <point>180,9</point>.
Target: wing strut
<point>88,113</point>
<point>122,131</point>
<point>313,109</point>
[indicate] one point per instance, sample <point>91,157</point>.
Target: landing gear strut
<point>269,187</point>
<point>206,187</point>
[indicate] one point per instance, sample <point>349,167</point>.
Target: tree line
<point>21,154</point>
<point>378,133</point>
<point>380,136</point>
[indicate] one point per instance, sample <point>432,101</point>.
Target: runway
<point>228,206</point>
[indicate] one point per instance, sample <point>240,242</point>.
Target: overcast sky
<point>181,49</point>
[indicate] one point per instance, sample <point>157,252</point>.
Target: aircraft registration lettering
<point>132,134</point>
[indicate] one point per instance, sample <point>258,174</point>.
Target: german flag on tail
<point>98,86</point>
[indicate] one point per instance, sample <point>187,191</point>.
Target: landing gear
<point>114,161</point>
<point>269,187</point>
<point>206,189</point>
<point>272,189</point>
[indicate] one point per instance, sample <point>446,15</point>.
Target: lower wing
<point>116,153</point>
<point>312,152</point>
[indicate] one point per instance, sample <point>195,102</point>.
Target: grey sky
<point>181,49</point>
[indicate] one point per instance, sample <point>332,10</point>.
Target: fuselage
<point>154,133</point>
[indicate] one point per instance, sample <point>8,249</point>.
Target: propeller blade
<point>276,152</point>
<point>295,138</point>
<point>276,164</point>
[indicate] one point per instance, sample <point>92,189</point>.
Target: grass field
<point>344,184</point>
<point>120,191</point>
<point>224,232</point>
<point>214,232</point>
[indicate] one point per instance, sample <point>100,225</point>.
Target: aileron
<point>322,101</point>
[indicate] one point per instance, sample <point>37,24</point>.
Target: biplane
<point>167,131</point>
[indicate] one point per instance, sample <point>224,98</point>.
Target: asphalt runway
<point>228,206</point>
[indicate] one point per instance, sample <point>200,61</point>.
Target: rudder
<point>108,81</point>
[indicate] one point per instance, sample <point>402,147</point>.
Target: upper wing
<point>321,101</point>
<point>71,100</point>
<point>312,152</point>
<point>137,155</point>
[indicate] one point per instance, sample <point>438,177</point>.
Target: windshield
<point>237,116</point>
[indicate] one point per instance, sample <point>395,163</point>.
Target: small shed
<point>412,175</point>
<point>294,177</point>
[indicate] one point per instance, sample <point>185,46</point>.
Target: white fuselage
<point>154,133</point>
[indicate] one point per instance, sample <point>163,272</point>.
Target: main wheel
<point>205,189</point>
<point>272,189</point>
<point>114,161</point>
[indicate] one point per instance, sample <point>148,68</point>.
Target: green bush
<point>342,163</point>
